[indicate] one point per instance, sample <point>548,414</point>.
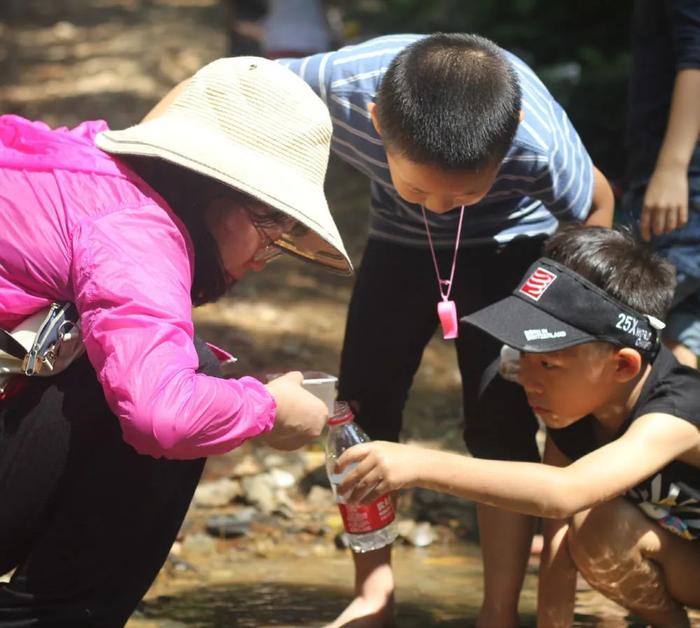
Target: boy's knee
<point>601,540</point>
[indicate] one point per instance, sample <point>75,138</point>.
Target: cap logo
<point>542,334</point>
<point>537,283</point>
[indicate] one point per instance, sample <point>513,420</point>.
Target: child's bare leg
<point>505,547</point>
<point>635,562</point>
<point>373,605</point>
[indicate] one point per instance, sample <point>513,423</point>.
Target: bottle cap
<point>341,414</point>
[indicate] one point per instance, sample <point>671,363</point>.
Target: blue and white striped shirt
<point>546,176</point>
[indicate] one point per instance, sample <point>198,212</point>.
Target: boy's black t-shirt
<point>672,495</point>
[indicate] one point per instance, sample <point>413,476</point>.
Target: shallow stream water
<point>437,587</point>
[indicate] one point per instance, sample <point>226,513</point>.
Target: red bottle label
<point>359,519</point>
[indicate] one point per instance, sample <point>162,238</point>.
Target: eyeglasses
<point>268,250</point>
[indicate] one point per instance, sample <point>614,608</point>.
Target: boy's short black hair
<point>619,263</point>
<point>450,100</point>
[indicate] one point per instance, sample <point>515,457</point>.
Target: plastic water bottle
<point>368,527</point>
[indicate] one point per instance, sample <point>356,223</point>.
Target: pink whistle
<point>447,311</point>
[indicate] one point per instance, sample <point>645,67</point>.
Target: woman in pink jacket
<point>98,463</point>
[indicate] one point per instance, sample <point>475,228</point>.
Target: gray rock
<point>231,525</point>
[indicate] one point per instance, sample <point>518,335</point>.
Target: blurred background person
<point>244,25</point>
<point>664,153</point>
<point>279,28</point>
<point>295,28</point>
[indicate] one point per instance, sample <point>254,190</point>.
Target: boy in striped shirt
<point>451,124</point>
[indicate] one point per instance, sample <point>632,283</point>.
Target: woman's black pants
<point>85,521</point>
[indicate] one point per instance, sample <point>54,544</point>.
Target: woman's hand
<point>381,467</point>
<point>300,416</point>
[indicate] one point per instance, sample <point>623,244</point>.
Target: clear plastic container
<point>369,527</point>
<point>321,384</point>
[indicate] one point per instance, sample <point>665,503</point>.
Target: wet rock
<point>216,494</point>
<point>441,509</point>
<point>231,525</point>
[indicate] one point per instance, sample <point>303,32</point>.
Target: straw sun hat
<point>256,126</point>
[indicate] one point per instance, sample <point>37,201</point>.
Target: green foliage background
<point>579,48</point>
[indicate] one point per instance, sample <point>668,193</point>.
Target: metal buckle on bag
<point>57,326</point>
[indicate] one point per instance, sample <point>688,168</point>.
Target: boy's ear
<point>628,364</point>
<point>521,117</point>
<point>372,108</point>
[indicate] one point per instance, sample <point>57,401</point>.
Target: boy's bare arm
<point>556,593</point>
<point>651,442</point>
<point>602,202</point>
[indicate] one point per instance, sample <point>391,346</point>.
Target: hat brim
<point>252,173</point>
<point>523,326</point>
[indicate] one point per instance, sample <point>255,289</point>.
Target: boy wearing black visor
<point>620,487</point>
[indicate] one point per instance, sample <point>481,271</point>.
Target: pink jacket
<point>76,225</point>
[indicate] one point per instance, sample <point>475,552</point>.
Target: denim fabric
<point>683,323</point>
<point>682,246</point>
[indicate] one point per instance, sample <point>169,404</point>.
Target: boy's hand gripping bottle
<point>368,527</point>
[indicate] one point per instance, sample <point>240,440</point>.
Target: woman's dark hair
<point>188,194</point>
<point>619,263</point>
<point>450,100</point>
